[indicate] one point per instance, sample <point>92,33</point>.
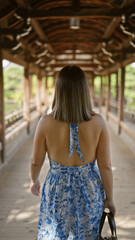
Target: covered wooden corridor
<point>19,208</point>
<point>43,36</point>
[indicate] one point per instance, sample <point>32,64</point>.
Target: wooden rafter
<point>8,56</point>
<point>76,4</point>
<point>35,24</point>
<point>112,26</point>
<point>84,64</point>
<point>114,68</point>
<point>67,13</point>
<point>100,35</point>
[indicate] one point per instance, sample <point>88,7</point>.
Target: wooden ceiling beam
<point>72,62</point>
<point>117,65</point>
<point>49,73</point>
<point>37,27</point>
<point>60,41</point>
<point>112,26</point>
<point>76,4</point>
<point>86,69</point>
<point>77,63</point>
<point>67,13</point>
<point>35,24</point>
<point>77,53</point>
<point>15,59</point>
<point>7,14</point>
<point>78,60</point>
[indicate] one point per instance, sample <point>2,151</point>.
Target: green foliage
<point>97,85</point>
<point>34,85</point>
<point>13,88</point>
<point>50,82</point>
<point>129,92</point>
<point>113,85</point>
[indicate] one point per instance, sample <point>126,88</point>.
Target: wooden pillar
<point>26,102</point>
<point>108,95</point>
<point>30,79</point>
<point>101,94</point>
<point>54,78</point>
<point>42,91</point>
<point>104,90</point>
<point>38,93</point>
<point>54,82</point>
<point>46,91</point>
<point>2,115</point>
<point>92,85</point>
<point>92,90</point>
<point>121,99</point>
<point>117,86</point>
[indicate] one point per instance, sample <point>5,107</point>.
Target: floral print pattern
<point>72,199</point>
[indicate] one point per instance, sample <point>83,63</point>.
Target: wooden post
<point>2,115</point>
<point>117,86</point>
<point>30,79</point>
<point>54,78</point>
<point>26,102</point>
<point>101,94</point>
<point>38,95</point>
<point>92,90</point>
<point>46,91</point>
<point>54,82</point>
<point>104,90</point>
<point>108,96</point>
<point>42,91</point>
<point>121,99</point>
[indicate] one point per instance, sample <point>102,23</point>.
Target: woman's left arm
<point>38,156</point>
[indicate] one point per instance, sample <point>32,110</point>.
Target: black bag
<point>112,226</point>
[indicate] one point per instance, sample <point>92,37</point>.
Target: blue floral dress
<point>72,199</point>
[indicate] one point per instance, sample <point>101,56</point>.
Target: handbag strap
<point>111,221</point>
<point>102,222</point>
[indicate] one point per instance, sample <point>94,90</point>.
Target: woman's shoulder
<point>99,120</point>
<point>97,116</point>
<point>46,118</point>
<point>44,123</point>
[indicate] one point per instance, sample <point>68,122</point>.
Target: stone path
<point>19,208</point>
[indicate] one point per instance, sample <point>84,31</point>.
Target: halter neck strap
<point>74,140</point>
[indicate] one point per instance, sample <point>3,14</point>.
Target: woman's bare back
<point>57,135</point>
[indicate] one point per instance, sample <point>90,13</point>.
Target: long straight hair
<point>71,101</point>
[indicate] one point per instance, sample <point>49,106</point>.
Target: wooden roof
<point>38,32</point>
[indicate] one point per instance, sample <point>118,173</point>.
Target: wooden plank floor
<point>19,208</point>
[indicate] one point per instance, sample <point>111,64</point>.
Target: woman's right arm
<point>104,164</point>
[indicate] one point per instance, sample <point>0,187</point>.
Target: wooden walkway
<point>19,208</point>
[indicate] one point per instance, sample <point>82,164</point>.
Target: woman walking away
<point>79,183</point>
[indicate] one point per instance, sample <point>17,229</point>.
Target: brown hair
<point>71,101</point>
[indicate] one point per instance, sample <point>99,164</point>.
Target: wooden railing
<point>129,115</point>
<point>114,106</point>
<point>12,118</point>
